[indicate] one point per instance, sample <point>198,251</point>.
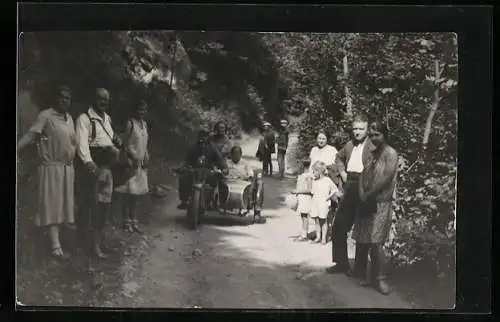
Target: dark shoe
<point>360,278</point>
<point>107,249</point>
<point>182,206</point>
<point>336,270</point>
<point>366,283</point>
<point>128,228</point>
<point>382,287</point>
<point>257,219</point>
<point>101,255</point>
<point>135,228</point>
<point>98,252</point>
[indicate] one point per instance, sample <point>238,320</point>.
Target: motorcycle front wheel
<point>195,209</point>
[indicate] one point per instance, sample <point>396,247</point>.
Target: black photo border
<point>474,26</point>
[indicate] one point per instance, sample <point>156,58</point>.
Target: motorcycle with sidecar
<point>212,191</point>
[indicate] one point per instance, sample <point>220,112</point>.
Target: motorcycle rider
<point>220,139</point>
<point>203,148</point>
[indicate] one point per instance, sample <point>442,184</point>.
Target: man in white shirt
<point>97,149</point>
<point>350,162</point>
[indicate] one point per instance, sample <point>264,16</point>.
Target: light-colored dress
<point>304,183</point>
<point>326,154</point>
<point>56,173</point>
<point>136,141</point>
<point>321,189</point>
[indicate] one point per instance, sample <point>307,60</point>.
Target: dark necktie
<point>357,143</point>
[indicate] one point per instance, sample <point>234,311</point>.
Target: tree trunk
<point>387,116</point>
<point>172,70</point>
<point>434,107</point>
<point>346,87</point>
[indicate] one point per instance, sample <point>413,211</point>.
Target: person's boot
<point>135,227</point>
<point>257,217</point>
<point>382,287</point>
<point>358,272</point>
<point>183,205</point>
<point>98,252</point>
<point>378,276</point>
<point>106,247</point>
<point>127,225</point>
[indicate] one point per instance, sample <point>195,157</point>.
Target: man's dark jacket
<point>343,157</point>
<point>214,158</point>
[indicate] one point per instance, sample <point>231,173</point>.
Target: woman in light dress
<point>136,142</point>
<point>323,191</point>
<point>54,132</point>
<point>323,151</point>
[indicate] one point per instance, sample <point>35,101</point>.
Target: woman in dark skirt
<point>376,191</point>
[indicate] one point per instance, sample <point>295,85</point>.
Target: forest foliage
<point>407,80</point>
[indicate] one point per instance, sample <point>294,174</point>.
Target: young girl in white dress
<point>323,191</point>
<point>304,195</point>
<point>135,188</point>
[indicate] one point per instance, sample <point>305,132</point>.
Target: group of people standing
<point>85,156</point>
<point>356,185</point>
<point>271,143</point>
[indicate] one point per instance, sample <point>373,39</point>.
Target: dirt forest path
<point>231,263</point>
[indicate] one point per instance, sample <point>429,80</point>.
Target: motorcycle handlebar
<point>190,168</point>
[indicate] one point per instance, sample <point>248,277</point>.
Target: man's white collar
<point>94,114</point>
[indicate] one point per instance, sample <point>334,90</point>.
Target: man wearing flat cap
<point>282,144</point>
<point>266,148</point>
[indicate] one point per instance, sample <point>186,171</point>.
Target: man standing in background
<point>282,142</point>
<point>267,146</point>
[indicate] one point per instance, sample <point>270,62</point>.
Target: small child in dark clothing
<point>104,186</point>
<point>103,191</point>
